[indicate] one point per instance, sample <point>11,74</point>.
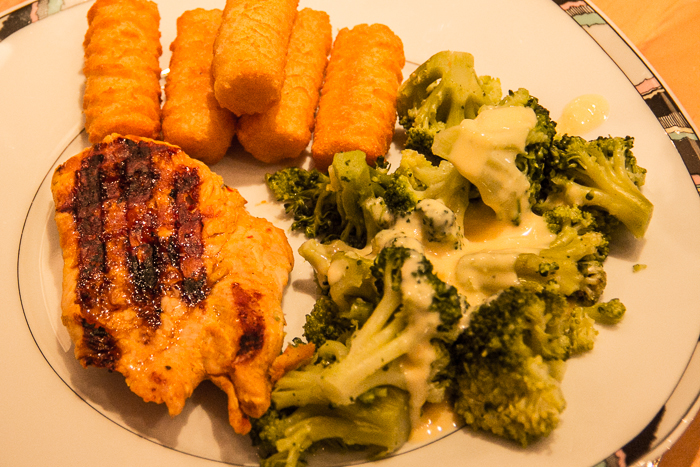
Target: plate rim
<point>657,96</point>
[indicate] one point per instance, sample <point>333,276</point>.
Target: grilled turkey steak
<point>167,278</point>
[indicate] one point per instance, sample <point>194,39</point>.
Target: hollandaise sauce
<point>583,114</point>
<point>437,420</point>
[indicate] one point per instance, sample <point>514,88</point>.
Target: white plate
<point>53,412</point>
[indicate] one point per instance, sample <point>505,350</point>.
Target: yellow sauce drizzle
<point>583,114</point>
<point>437,420</point>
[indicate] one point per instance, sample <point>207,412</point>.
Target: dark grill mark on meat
<point>140,181</point>
<point>88,217</point>
<point>251,322</point>
<point>140,176</point>
<point>194,290</point>
<point>190,247</point>
<point>104,349</point>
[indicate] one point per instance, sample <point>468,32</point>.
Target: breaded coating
<point>122,88</point>
<point>357,109</point>
<point>192,117</point>
<point>250,52</point>
<point>284,131</point>
<point>167,278</point>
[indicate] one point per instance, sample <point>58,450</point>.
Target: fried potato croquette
<point>122,50</point>
<point>284,131</point>
<point>250,53</point>
<point>357,108</point>
<point>192,117</point>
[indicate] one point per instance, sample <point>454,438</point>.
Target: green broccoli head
<point>523,406</point>
<point>408,273</point>
<point>484,151</point>
<point>319,256</point>
<point>427,181</point>
<point>351,284</point>
<point>439,223</point>
<point>573,263</point>
<point>350,180</point>
<point>439,94</point>
<point>345,205</point>
<point>532,161</point>
<point>355,201</point>
<point>509,362</point>
<point>305,195</point>
<point>602,173</point>
<point>285,438</point>
<point>324,322</point>
<point>400,195</point>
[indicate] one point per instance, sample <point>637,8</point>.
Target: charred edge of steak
<point>190,247</point>
<point>251,321</point>
<point>103,346</point>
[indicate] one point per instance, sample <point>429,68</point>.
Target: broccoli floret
<point>284,438</point>
<point>319,255</point>
<point>347,204</point>
<point>602,173</point>
<point>417,176</point>
<point>306,196</point>
<point>415,309</point>
<point>439,94</point>
<point>510,361</point>
<point>573,263</point>
<point>324,323</point>
<point>610,312</point>
<point>532,161</point>
<point>355,201</point>
<point>346,290</point>
<point>439,223</point>
<point>561,217</point>
<point>351,285</point>
<point>484,151</point>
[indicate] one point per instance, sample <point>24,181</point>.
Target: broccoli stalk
<point>510,361</point>
<point>284,439</point>
<point>415,308</point>
<point>441,93</point>
<point>602,173</point>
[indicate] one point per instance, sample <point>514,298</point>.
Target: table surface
<point>664,31</point>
